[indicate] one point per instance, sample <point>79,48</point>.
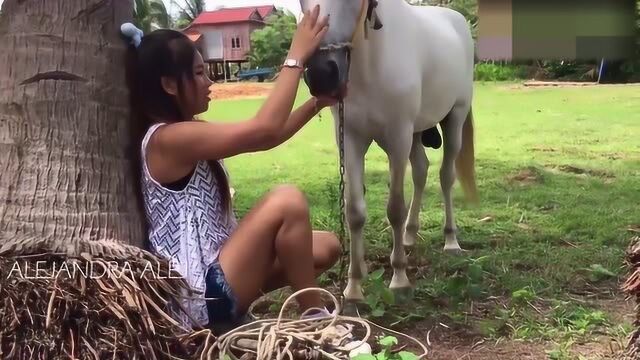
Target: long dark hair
<point>162,53</point>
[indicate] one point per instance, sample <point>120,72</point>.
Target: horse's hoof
<point>399,280</point>
<point>455,251</point>
<point>353,293</point>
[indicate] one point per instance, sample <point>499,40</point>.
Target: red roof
<point>194,36</point>
<point>264,10</point>
<point>229,15</point>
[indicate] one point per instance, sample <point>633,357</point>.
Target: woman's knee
<point>290,200</point>
<point>335,249</point>
<point>331,251</point>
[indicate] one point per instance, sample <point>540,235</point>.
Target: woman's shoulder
<point>151,131</point>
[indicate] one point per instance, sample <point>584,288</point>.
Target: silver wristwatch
<point>293,63</point>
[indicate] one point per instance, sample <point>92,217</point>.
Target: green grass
<point>558,173</point>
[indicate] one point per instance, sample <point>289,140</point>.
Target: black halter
<point>372,15</point>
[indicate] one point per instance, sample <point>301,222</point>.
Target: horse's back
<point>419,67</point>
<point>448,26</point>
<point>448,66</point>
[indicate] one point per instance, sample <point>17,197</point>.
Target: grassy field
<point>559,176</point>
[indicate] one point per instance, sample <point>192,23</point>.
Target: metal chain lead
<point>336,46</point>
<point>342,234</point>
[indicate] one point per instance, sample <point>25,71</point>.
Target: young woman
<point>184,189</point>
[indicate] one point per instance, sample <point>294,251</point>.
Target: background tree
<point>468,8</point>
<point>150,15</point>
<point>189,11</point>
<point>269,45</point>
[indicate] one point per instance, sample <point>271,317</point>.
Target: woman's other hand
<point>324,101</point>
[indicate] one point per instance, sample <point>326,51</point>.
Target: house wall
<point>212,43</point>
<point>240,31</point>
<point>217,40</point>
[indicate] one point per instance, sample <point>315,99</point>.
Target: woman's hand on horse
<point>307,37</point>
<point>324,101</point>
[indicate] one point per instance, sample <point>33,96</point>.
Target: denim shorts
<point>222,308</point>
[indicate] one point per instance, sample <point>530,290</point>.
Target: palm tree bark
<point>64,171</point>
<point>67,195</point>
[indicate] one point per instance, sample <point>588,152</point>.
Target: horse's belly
<point>437,99</point>
<point>385,108</point>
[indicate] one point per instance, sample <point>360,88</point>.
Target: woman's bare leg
<point>326,253</point>
<point>277,228</point>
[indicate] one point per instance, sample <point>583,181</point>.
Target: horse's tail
<point>465,162</point>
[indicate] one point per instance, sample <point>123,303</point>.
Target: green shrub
<point>499,72</point>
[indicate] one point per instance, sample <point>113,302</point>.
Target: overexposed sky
<point>291,5</point>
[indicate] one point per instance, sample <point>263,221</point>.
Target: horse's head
<point>328,69</point>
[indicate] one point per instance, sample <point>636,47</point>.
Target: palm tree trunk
<point>64,172</point>
<point>67,194</point>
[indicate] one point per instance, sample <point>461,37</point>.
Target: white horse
<point>410,68</point>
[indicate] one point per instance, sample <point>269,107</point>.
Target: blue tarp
<point>261,72</point>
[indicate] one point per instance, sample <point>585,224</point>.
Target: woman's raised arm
<point>191,141</point>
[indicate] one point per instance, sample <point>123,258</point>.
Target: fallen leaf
<point>634,229</point>
<point>524,226</point>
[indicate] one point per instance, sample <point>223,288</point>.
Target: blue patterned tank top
<point>188,227</point>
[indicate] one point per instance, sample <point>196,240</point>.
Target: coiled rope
<point>328,337</point>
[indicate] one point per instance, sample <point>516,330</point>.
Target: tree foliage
<point>468,8</point>
<point>189,11</point>
<point>269,45</point>
<point>151,14</point>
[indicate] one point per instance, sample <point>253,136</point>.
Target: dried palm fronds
<point>90,300</point>
<point>631,287</point>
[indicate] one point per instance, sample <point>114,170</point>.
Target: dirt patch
<point>533,85</point>
<point>614,156</point>
<point>521,350</point>
<point>488,351</point>
<point>586,154</point>
<point>461,344</point>
<point>526,176</point>
<point>451,341</point>
<point>543,149</point>
<point>582,171</point>
<point>241,90</point>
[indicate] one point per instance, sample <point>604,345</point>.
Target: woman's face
<point>197,90</point>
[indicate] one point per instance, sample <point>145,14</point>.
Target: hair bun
<point>132,32</point>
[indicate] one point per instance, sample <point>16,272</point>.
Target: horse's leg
<point>419,169</point>
<point>398,150</point>
<point>452,138</point>
<point>355,148</point>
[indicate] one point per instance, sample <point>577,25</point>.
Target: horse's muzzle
<point>327,74</point>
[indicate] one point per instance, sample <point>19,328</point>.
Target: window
<point>235,43</point>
